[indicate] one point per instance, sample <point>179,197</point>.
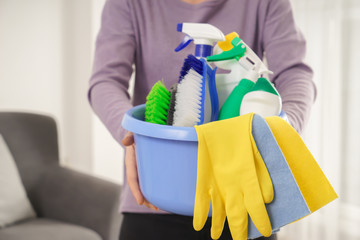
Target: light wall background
<point>332,33</point>
<point>46,51</point>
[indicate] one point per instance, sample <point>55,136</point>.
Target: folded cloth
<point>314,185</point>
<point>289,204</point>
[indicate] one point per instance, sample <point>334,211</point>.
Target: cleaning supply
<point>226,82</point>
<point>240,51</point>
<point>174,190</point>
<point>314,185</point>
<point>299,188</point>
<point>231,107</point>
<point>236,182</point>
<point>288,204</point>
<point>166,159</point>
<point>204,35</point>
<point>190,93</point>
<point>157,104</point>
<point>170,116</point>
<point>254,68</point>
<point>262,99</point>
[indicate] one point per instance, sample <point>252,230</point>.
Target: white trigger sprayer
<point>245,88</point>
<point>204,35</point>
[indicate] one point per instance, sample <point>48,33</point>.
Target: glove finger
<point>201,210</point>
<point>262,173</point>
<point>218,215</point>
<point>255,206</point>
<point>264,178</point>
<point>203,184</point>
<point>237,217</point>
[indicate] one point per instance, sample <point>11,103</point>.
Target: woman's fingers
<point>131,174</point>
<point>149,205</point>
<point>128,139</point>
<point>132,177</point>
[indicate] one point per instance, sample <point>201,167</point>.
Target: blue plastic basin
<point>167,167</point>
<point>166,160</point>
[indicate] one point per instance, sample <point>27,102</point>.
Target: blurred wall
<point>46,50</point>
<point>331,28</point>
<point>31,56</point>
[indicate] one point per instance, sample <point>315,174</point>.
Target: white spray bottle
<point>204,35</point>
<point>226,82</point>
<point>242,89</point>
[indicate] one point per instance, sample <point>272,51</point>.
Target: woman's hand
<point>131,171</point>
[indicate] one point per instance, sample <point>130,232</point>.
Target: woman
<point>143,33</point>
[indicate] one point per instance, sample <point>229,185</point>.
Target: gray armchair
<point>69,205</point>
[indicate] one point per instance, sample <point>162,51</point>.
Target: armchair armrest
<point>81,199</point>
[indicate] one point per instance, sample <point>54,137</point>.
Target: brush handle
<point>231,107</point>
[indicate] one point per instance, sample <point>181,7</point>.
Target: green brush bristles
<point>157,104</point>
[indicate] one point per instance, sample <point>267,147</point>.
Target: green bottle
<point>231,107</point>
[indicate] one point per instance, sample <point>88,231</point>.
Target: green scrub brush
<point>157,104</point>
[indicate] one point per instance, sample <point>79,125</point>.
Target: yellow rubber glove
<point>232,175</point>
<point>313,184</point>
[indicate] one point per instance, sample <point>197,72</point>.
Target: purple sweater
<point>143,32</point>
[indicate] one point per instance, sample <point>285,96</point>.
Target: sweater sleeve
<point>285,48</point>
<point>114,55</point>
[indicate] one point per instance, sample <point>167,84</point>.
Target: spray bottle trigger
<point>235,41</point>
<point>235,53</point>
<point>187,40</point>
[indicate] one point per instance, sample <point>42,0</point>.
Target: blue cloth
<point>289,204</point>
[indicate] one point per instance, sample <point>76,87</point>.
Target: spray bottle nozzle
<point>185,42</point>
<point>179,27</point>
<point>203,35</point>
<point>235,48</point>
